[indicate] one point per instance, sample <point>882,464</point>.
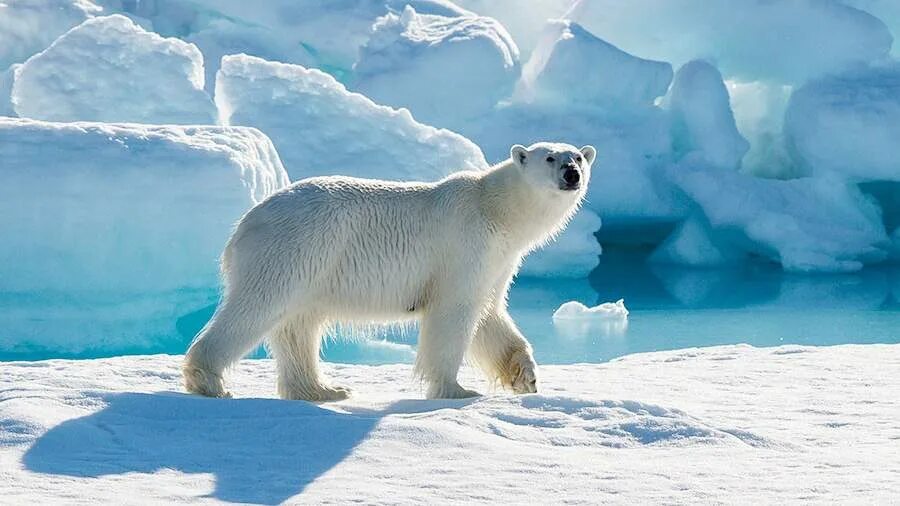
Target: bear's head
<point>562,169</point>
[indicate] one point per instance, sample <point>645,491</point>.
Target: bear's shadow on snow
<point>260,450</point>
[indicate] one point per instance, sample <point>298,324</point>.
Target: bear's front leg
<point>503,353</point>
<point>444,336</point>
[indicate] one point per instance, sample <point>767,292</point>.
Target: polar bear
<point>341,249</point>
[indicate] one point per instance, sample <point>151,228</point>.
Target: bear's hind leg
<point>236,328</point>
<point>295,344</point>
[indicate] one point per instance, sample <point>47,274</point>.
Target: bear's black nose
<point>571,177</point>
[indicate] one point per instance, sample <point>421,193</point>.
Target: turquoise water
<point>670,308</point>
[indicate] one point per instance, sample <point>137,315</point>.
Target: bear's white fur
<point>340,249</point>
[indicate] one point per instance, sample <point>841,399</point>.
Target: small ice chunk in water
<point>574,310</point>
<point>574,319</point>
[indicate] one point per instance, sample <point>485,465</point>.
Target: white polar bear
<point>341,249</point>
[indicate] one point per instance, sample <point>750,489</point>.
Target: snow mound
<point>787,42</point>
<point>99,429</point>
<point>29,26</point>
<point>808,224</point>
<point>118,227</point>
<point>848,124</point>
<point>109,69</point>
<point>320,128</point>
<point>703,124</point>
<point>574,310</point>
<point>466,63</point>
<point>572,66</point>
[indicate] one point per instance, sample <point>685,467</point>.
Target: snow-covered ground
<point>730,424</point>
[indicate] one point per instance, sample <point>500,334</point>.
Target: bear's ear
<point>589,153</point>
<point>518,154</point>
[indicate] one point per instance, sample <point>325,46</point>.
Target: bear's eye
<point>550,159</point>
<point>578,159</point>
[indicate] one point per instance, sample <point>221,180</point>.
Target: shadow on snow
<point>260,450</point>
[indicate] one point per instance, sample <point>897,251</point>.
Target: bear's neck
<point>527,217</point>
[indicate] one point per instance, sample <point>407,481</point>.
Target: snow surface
<point>321,128</point>
<point>113,231</point>
<point>109,69</point>
<point>467,64</point>
<point>730,424</point>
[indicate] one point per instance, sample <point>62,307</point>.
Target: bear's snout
<point>571,178</point>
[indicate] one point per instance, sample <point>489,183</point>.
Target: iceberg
<point>316,33</point>
<point>787,42</point>
<point>320,128</point>
<point>524,24</point>
<point>571,66</point>
<point>574,319</point>
<point>574,310</point>
<point>29,26</point>
<point>703,124</point>
<point>6,81</point>
<point>466,64</point>
<point>848,125</point>
<point>809,224</point>
<point>112,232</point>
<point>110,69</point>
<point>692,243</point>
